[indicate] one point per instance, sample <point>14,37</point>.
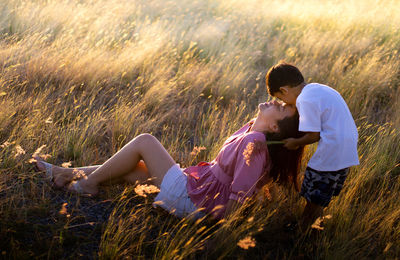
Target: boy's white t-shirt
<point>322,109</point>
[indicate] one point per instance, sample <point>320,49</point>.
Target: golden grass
<point>84,77</point>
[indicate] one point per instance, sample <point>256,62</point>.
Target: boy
<point>326,119</point>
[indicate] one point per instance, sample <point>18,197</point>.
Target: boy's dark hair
<point>282,74</point>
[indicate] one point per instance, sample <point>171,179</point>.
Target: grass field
<point>85,77</point>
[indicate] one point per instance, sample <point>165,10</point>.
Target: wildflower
<point>79,174</point>
<point>197,150</point>
<point>319,221</point>
<point>49,120</point>
<point>63,210</point>
<point>66,164</point>
<point>32,160</point>
<point>267,193</point>
<point>39,150</point>
<point>18,151</point>
<point>247,242</point>
<point>158,202</point>
<point>38,153</point>
<point>247,153</point>
<point>317,225</point>
<point>143,190</point>
<point>45,156</point>
<point>5,144</point>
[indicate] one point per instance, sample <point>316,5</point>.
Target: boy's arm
<point>308,138</point>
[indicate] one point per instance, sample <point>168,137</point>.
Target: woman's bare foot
<point>83,186</point>
<point>60,176</point>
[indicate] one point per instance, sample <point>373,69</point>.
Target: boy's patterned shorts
<point>320,186</point>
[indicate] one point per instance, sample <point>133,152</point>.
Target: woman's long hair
<point>285,163</point>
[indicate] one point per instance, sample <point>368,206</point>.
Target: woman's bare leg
<point>63,176</point>
<point>122,166</point>
<point>146,147</point>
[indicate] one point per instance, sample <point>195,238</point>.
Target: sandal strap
<point>76,187</point>
<point>49,170</point>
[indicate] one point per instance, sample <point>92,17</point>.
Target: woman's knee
<point>145,140</point>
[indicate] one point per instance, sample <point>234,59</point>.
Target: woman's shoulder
<point>244,128</point>
<point>245,135</point>
<point>254,136</point>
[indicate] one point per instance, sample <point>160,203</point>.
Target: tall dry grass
<point>84,77</point>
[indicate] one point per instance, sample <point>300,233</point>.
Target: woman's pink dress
<point>229,176</point>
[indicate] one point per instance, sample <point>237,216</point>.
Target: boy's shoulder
<point>315,90</point>
<point>316,86</point>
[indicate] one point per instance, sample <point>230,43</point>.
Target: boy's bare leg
<point>310,214</point>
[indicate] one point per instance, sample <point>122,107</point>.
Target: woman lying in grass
<point>242,166</point>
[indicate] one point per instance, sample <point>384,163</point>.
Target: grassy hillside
<point>85,77</point>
